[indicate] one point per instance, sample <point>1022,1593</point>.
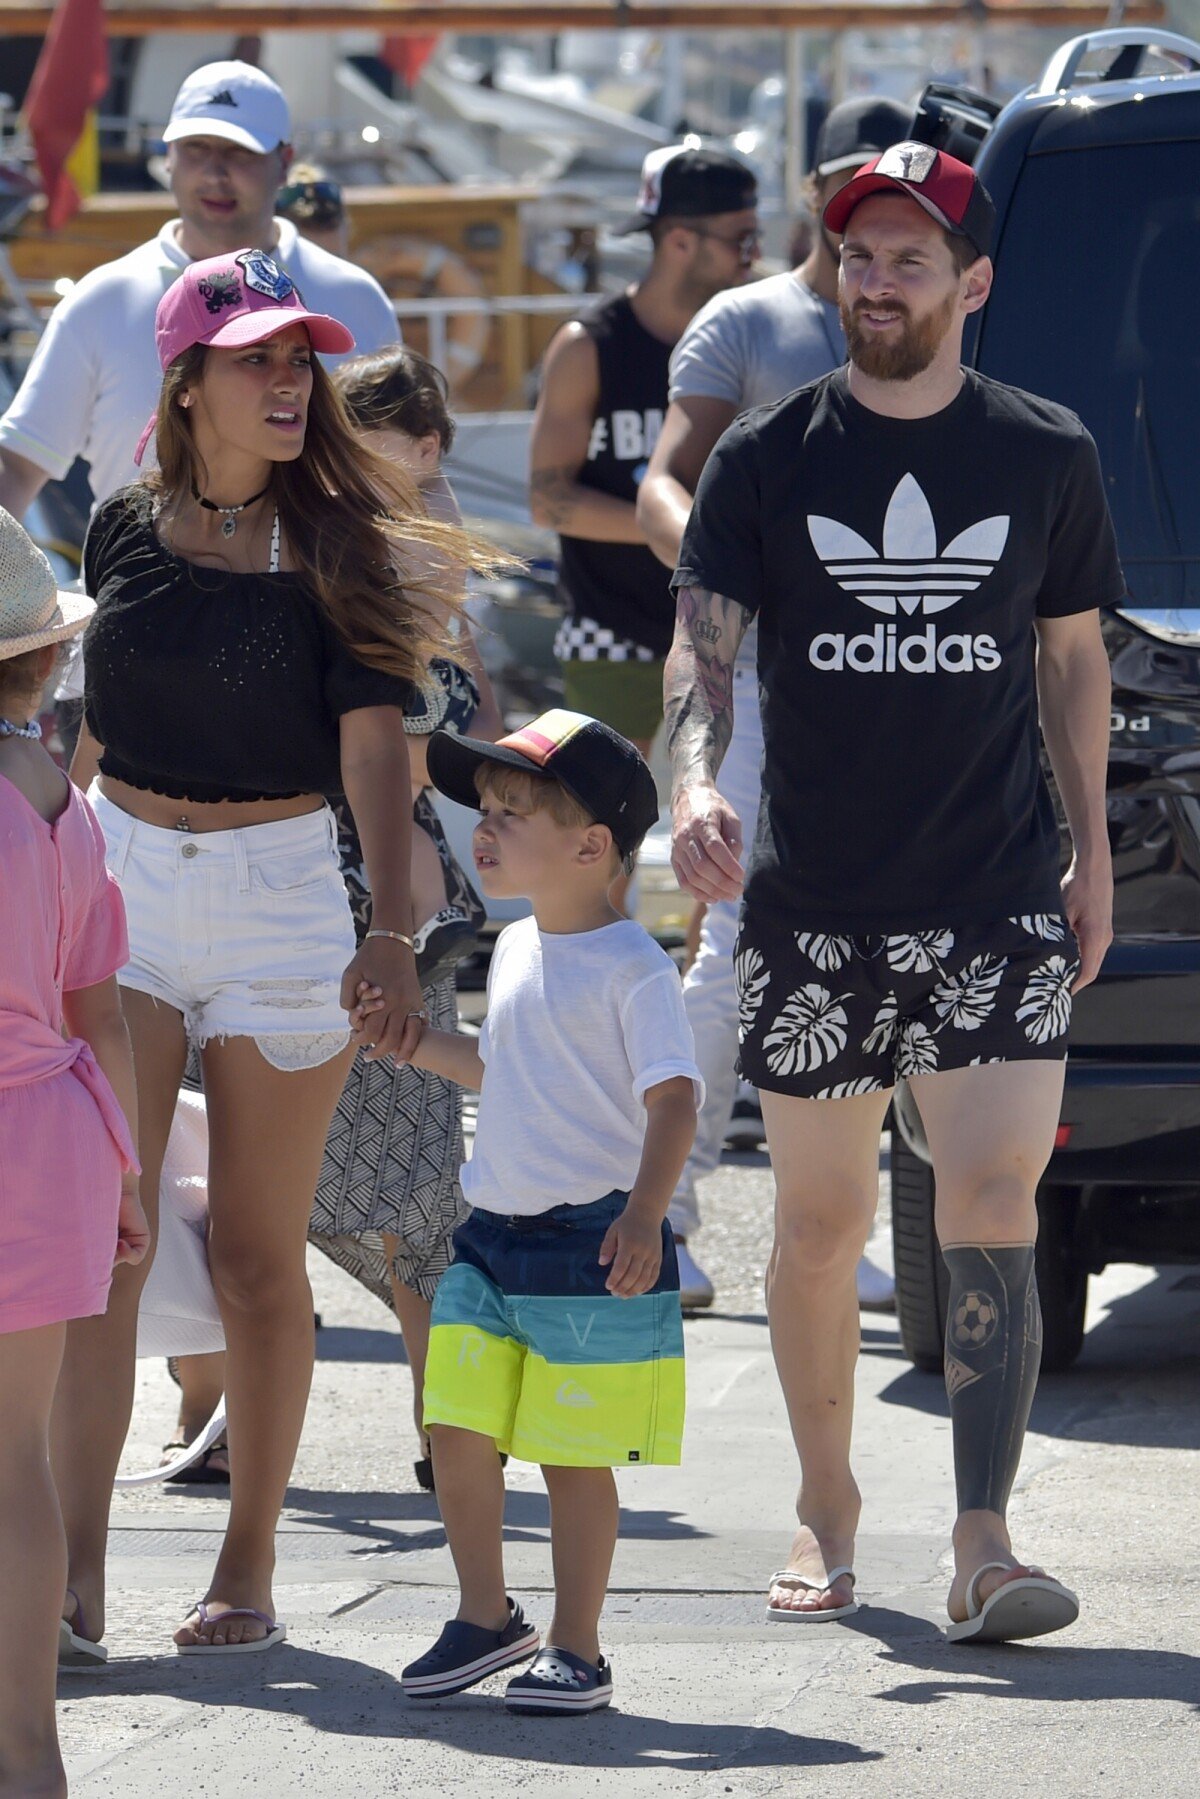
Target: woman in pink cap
<point>264,607</point>
<point>68,1178</point>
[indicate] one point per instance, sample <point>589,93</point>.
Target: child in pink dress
<point>69,1206</point>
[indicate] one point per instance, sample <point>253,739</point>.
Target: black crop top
<point>205,685</point>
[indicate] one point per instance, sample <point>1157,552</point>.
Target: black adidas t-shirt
<point>897,567</point>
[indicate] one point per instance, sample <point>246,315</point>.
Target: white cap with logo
<point>234,101</point>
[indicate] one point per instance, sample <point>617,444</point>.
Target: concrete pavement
<point>710,1697</point>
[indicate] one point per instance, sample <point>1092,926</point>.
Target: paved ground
<point>711,1699</point>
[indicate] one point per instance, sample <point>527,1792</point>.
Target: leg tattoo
<point>993,1350</point>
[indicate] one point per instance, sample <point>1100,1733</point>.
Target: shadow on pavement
<point>353,1343</point>
<point>352,1699</point>
<point>526,1517</point>
<point>1135,1382</point>
<point>1052,1671</point>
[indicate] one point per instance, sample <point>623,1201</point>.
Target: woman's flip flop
<point>75,1650</point>
<point>1032,1606</point>
<point>276,1632</point>
<point>787,1577</point>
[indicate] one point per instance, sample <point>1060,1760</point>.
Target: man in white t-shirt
<point>94,377</point>
<point>748,347</point>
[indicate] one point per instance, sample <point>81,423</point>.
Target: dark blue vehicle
<point>1095,172</point>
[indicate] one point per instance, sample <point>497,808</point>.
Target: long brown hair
<point>355,525</point>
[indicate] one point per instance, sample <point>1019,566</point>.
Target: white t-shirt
<point>579,1026</point>
<point>94,378</point>
<point>752,345</point>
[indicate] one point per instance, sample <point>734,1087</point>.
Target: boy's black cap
<point>596,765</point>
<point>857,130</point>
<point>681,183</point>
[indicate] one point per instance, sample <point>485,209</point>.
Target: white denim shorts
<point>247,933</point>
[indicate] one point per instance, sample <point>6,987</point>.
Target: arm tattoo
<point>698,682</point>
<point>554,487</point>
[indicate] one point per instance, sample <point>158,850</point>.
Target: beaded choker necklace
<point>229,513</point>
<point>32,730</point>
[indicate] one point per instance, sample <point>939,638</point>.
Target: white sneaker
<point>695,1288</point>
<point>876,1288</point>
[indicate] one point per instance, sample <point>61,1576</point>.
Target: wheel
<point>922,1284</point>
<point>1062,1277</point>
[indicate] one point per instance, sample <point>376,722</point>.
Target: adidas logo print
<point>909,577</point>
<point>222,97</point>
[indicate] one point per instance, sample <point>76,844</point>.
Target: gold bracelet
<point>398,936</point>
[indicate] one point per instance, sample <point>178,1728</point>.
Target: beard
<point>903,356</point>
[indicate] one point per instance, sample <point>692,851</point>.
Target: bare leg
<point>584,1515</point>
<point>414,1314</point>
<point>991,1131</point>
<point>33,1565</point>
<point>266,1138</point>
<point>201,1382</point>
<point>95,1390</point>
<point>825,1153</point>
<point>470,1495</point>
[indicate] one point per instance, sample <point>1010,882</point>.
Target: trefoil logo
<point>910,577</point>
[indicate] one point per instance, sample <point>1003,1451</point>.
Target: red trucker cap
<point>948,190</point>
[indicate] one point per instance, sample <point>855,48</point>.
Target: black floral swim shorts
<point>830,1017</point>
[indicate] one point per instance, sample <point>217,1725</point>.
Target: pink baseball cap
<point>230,302</point>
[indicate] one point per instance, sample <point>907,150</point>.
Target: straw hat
<point>34,609</point>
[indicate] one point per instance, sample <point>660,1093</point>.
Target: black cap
<point>596,765</point>
<point>679,183</point>
<point>857,130</point>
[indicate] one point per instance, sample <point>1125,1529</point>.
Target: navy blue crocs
<point>558,1682</point>
<point>465,1654</point>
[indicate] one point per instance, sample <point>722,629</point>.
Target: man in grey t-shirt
<point>748,347</point>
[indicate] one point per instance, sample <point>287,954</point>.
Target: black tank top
<point>621,586</point>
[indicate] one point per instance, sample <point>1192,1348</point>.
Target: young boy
<point>557,1335</point>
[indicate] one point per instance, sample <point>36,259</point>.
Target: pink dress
<point>64,1142</point>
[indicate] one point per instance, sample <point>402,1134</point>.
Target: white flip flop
<point>1032,1606</point>
<point>787,1577</point>
<point>276,1632</point>
<point>75,1652</point>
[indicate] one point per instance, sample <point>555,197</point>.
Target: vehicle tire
<point>1062,1277</point>
<point>922,1283</point>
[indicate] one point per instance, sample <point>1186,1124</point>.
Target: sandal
<point>197,1473</point>
<point>559,1681</point>
<point>442,942</point>
<point>424,1472</point>
<point>1031,1606</point>
<point>75,1648</point>
<point>276,1632</point>
<point>787,1577</point>
<point>465,1654</point>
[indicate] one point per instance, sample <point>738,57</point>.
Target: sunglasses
<point>746,243</point>
<point>317,202</point>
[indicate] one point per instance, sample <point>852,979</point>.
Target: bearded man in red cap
<point>925,551</point>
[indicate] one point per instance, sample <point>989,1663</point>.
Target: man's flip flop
<point>276,1632</point>
<point>787,1577</point>
<point>74,1650</point>
<point>1032,1606</point>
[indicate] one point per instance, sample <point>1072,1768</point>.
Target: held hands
<point>369,1000</point>
<point>133,1232</point>
<point>706,844</point>
<point>633,1244</point>
<point>1087,896</point>
<point>391,1024</point>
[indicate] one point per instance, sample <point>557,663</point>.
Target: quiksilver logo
<point>910,576</point>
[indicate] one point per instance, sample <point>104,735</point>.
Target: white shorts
<point>247,933</point>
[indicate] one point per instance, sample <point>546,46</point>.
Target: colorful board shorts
<point>831,1017</point>
<point>528,1346</point>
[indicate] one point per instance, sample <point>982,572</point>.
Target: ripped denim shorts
<point>247,933</point>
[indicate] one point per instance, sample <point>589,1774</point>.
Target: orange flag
<point>70,79</point>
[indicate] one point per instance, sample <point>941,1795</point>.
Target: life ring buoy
<point>417,267</point>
